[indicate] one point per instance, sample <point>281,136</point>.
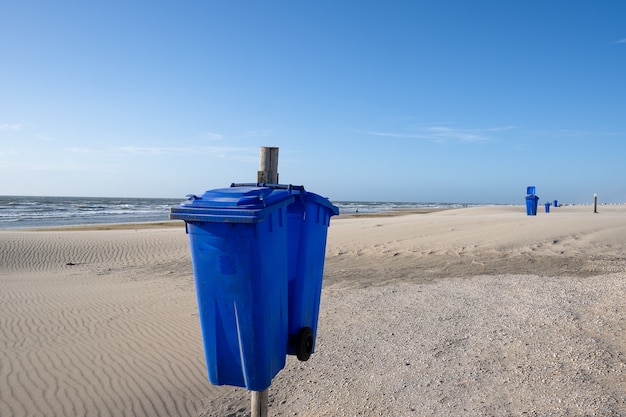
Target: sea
<point>18,212</point>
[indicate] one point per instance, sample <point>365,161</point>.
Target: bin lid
<point>232,205</point>
<point>299,192</point>
<point>530,189</point>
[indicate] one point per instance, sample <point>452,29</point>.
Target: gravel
<point>501,345</point>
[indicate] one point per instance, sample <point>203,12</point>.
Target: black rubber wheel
<point>304,345</point>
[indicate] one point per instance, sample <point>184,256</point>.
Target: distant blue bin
<point>238,239</point>
<point>556,203</point>
<point>547,206</point>
<point>531,205</point>
<point>308,221</point>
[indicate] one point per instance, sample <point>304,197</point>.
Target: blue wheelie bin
<point>531,201</point>
<point>547,206</point>
<point>531,205</point>
<point>308,220</point>
<point>238,239</point>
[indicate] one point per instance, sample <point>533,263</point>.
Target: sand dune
<point>468,312</point>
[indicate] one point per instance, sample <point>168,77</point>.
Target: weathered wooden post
<point>595,203</point>
<point>268,172</point>
<point>268,167</point>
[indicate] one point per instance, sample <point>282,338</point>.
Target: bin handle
<point>289,187</point>
<point>262,184</point>
<point>302,191</point>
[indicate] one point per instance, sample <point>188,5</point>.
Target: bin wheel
<point>304,345</point>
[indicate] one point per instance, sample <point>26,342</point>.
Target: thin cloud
<point>399,135</point>
<point>209,151</point>
<point>256,134</point>
<point>443,134</point>
<point>621,41</point>
<point>79,150</point>
<point>460,135</point>
<point>220,152</point>
<point>154,150</point>
<point>9,126</point>
<point>45,138</point>
<point>213,136</point>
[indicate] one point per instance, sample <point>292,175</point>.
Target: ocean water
<point>27,212</point>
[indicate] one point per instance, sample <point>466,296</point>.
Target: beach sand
<point>465,312</point>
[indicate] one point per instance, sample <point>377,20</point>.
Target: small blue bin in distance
<point>238,238</point>
<point>530,189</point>
<point>308,221</point>
<point>531,205</point>
<point>556,203</point>
<point>547,206</point>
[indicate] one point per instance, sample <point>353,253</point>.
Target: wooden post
<point>268,172</point>
<point>595,203</point>
<point>259,404</point>
<point>268,167</point>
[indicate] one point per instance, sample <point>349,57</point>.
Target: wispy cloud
<point>461,135</point>
<point>237,153</point>
<point>79,150</point>
<point>621,41</point>
<point>10,126</point>
<point>234,153</point>
<point>152,150</point>
<point>442,134</point>
<point>399,135</point>
<point>213,136</point>
<point>256,133</point>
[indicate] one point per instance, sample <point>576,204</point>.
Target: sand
<point>466,312</point>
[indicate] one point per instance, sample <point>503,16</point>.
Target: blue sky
<point>446,101</point>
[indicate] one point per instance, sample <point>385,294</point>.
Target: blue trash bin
<point>308,221</point>
<point>556,203</point>
<point>531,205</point>
<point>547,206</point>
<point>238,239</point>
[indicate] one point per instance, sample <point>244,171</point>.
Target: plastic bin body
<point>556,203</point>
<point>547,206</point>
<point>531,205</point>
<point>238,240</point>
<point>308,219</point>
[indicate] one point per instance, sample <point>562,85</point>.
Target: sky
<point>403,100</point>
